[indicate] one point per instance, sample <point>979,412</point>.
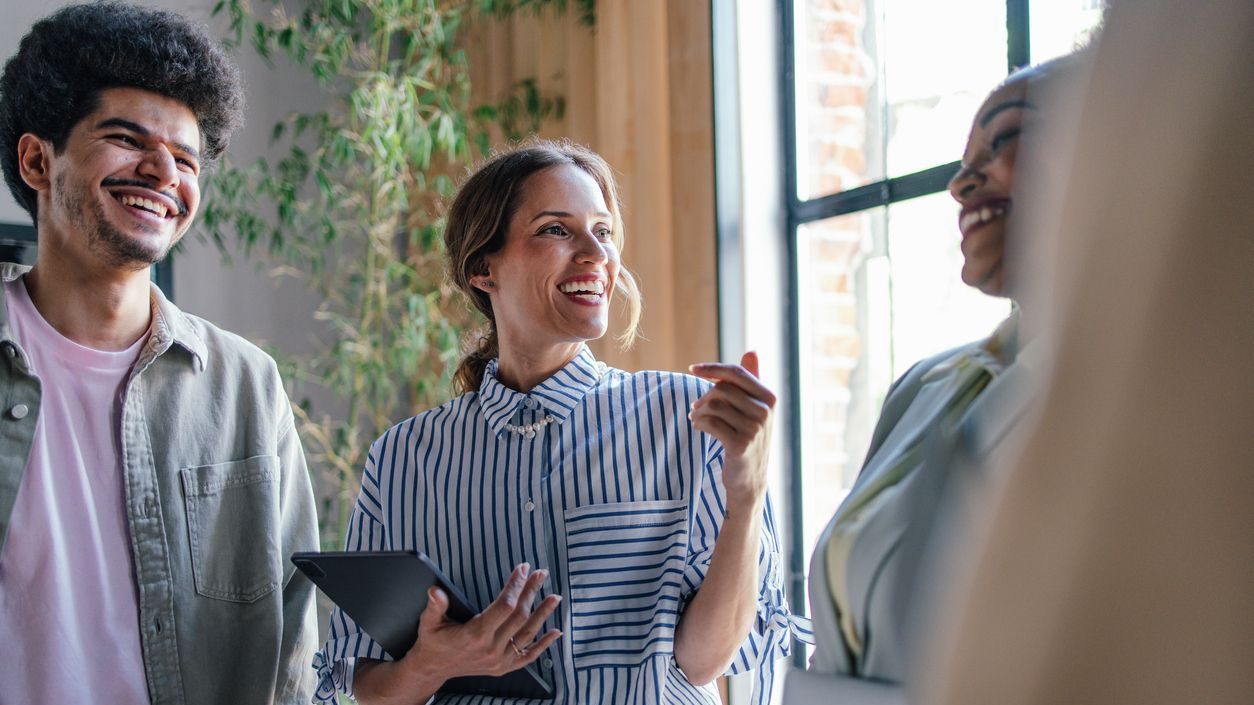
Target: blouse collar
<point>993,354</point>
<point>556,396</point>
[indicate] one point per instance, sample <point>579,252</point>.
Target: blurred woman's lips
<point>979,214</point>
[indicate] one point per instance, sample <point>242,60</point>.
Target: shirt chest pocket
<point>233,527</point>
<point>626,563</point>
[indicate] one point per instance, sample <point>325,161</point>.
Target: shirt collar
<point>993,354</point>
<point>556,396</point>
<point>8,272</point>
<point>171,326</point>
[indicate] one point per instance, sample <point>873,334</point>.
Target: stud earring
<point>489,283</point>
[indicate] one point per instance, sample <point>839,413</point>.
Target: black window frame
<point>800,212</point>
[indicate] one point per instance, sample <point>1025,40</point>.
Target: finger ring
<point>517,651</point>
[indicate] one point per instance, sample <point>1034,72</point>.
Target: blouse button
<point>19,411</point>
<point>530,403</point>
<point>529,506</point>
<point>546,662</point>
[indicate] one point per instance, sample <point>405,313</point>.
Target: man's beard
<point>103,238</point>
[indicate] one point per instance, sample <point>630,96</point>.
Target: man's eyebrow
<point>564,214</point>
<point>144,132</point>
<point>1000,107</point>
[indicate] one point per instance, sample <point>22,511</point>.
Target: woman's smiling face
<point>552,282</point>
<point>983,186</point>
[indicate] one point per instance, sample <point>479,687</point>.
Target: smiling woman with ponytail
<point>613,528</point>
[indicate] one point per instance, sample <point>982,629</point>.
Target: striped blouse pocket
<point>626,563</point>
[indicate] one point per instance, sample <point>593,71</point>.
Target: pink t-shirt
<point>68,599</point>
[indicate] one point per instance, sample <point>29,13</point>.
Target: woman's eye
<point>554,229</point>
<point>1003,139</point>
<point>605,233</point>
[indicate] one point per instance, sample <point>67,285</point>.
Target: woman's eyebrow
<point>564,214</point>
<point>1000,107</point>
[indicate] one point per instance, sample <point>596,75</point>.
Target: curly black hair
<point>55,78</point>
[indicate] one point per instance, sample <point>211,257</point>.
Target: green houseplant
<point>352,206</point>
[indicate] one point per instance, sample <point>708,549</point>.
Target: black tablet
<point>385,592</point>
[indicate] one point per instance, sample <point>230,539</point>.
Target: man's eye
<point>126,140</point>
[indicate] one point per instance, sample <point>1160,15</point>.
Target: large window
<point>877,111</point>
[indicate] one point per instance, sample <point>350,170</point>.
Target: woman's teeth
<point>981,215</point>
<point>582,287</point>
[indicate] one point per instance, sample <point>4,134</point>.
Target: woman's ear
<point>33,161</point>
<point>482,278</point>
<point>483,282</point>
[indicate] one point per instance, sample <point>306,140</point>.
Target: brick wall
<point>834,105</point>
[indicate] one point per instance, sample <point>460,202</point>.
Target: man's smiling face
<point>125,188</point>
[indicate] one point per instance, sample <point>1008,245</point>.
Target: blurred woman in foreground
<point>864,577</point>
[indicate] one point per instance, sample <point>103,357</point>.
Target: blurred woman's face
<point>984,184</point>
<point>552,282</point>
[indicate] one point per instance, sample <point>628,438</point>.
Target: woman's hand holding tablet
<point>498,640</point>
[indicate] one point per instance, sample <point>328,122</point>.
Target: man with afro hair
<point>152,483</point>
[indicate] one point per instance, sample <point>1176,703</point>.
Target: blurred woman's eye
<point>605,233</point>
<point>1004,138</point>
<point>554,229</point>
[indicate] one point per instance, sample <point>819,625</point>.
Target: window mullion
<point>1018,35</point>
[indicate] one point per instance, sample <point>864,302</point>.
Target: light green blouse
<point>952,387</point>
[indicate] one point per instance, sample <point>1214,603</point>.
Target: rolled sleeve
<point>771,636</point>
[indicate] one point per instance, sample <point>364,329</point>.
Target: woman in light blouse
<point>632,506</point>
<point>866,577</point>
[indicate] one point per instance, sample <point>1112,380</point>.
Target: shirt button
<point>546,662</point>
<point>10,351</point>
<point>529,506</point>
<point>19,411</point>
<point>530,403</point>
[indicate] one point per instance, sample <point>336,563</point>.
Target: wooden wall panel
<point>691,151</point>
<point>638,91</point>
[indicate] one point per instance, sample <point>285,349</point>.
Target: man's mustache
<point>112,181</point>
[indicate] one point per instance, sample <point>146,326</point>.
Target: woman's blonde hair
<point>478,224</point>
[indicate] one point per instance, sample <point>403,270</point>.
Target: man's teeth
<point>590,287</point>
<point>144,203</point>
<point>983,215</point>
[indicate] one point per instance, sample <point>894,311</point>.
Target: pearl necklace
<point>528,430</point>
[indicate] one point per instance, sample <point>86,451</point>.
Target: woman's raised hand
<point>496,641</point>
<point>738,411</point>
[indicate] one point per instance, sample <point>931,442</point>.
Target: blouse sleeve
<point>774,628</point>
<point>346,642</point>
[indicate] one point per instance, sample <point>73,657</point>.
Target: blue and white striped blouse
<point>620,498</point>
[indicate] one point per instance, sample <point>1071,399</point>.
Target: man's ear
<point>34,161</point>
